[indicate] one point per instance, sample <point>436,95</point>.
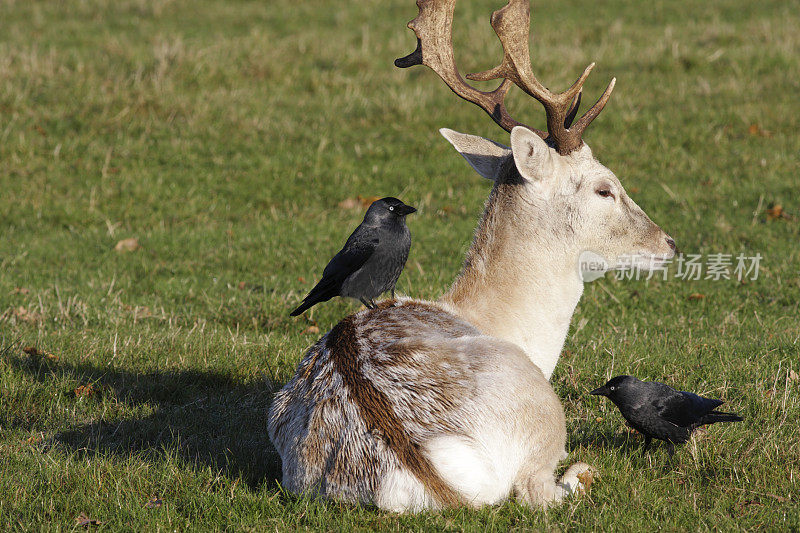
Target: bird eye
<point>612,387</point>
<point>391,208</point>
<point>604,193</point>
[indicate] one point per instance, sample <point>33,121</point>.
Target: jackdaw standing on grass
<point>371,260</point>
<point>658,411</point>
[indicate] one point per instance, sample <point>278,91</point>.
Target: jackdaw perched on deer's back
<point>371,260</point>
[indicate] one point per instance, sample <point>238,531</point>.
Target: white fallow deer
<point>415,404</point>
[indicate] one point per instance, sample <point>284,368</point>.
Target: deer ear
<point>485,156</point>
<point>531,154</point>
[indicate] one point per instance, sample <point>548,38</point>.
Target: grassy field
<point>230,139</point>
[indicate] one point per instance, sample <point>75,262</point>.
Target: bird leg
<point>368,303</point>
<point>393,293</point>
<point>670,448</point>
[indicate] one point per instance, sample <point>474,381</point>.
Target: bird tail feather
<point>302,307</point>
<point>322,292</point>
<point>718,416</point>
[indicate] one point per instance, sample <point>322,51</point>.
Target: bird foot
<point>369,304</point>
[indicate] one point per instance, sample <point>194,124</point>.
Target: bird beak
<point>407,210</point>
<point>599,391</point>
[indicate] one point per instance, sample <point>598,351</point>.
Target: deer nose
<point>671,243</point>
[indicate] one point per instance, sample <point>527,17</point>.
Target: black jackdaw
<point>371,260</point>
<point>658,411</point>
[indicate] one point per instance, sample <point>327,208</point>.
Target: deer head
<point>552,200</point>
<point>571,203</point>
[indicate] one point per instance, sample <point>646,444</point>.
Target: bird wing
<point>355,253</point>
<point>683,408</point>
<point>701,405</point>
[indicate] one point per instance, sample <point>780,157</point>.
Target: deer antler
<point>433,27</point>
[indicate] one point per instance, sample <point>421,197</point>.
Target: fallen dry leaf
<point>793,376</point>
<point>359,202</point>
<point>776,211</point>
<point>154,503</point>
<point>139,311</point>
<point>587,478</point>
<point>142,312</point>
<point>85,521</point>
<point>33,351</point>
<point>696,296</point>
<point>85,391</point>
<point>311,330</point>
<point>127,245</point>
<point>349,203</point>
<point>22,313</point>
<point>20,290</point>
<point>757,131</point>
<point>366,201</point>
<point>242,285</point>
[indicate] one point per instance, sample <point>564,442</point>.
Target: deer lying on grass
<point>416,405</point>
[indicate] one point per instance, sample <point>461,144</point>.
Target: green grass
<point>224,135</point>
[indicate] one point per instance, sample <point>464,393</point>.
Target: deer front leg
<point>537,487</point>
<point>577,479</point>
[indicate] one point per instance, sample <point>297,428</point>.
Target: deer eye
<point>604,192</point>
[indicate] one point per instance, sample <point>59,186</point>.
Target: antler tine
<point>593,111</point>
<point>511,23</point>
<point>573,110</point>
<point>433,28</point>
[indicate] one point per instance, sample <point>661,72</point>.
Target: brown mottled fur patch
<point>376,410</point>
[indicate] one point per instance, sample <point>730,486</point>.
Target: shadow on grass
<point>206,418</point>
<point>626,443</point>
<point>603,440</point>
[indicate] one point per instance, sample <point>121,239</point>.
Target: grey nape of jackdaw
<point>371,260</point>
<point>658,411</point>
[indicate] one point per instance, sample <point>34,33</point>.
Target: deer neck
<point>519,282</point>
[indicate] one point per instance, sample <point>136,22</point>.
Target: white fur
<point>400,492</point>
<point>521,281</point>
